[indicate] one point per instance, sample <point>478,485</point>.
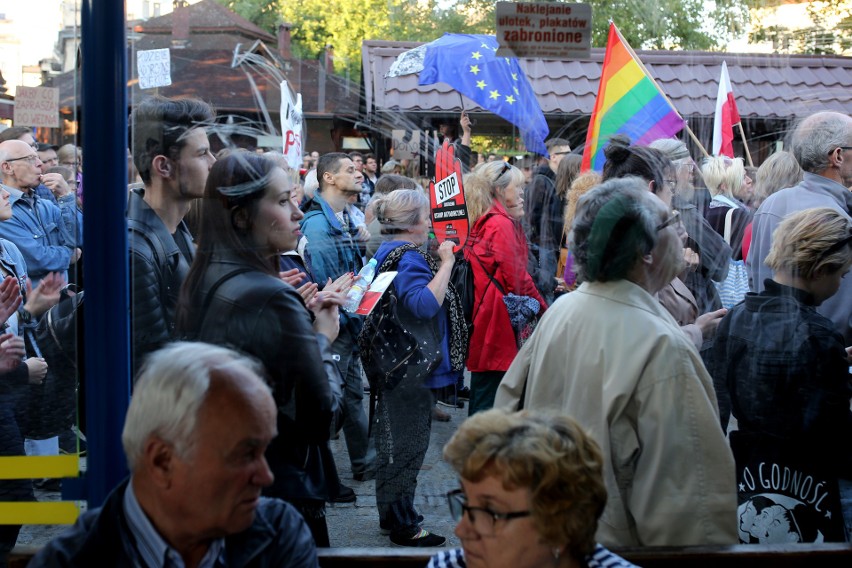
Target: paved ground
<point>356,524</point>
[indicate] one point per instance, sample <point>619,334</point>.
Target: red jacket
<point>498,245</point>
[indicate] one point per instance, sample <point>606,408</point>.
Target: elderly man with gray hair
<point>822,144</point>
<point>611,357</point>
<point>195,435</point>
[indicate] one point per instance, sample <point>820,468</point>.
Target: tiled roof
<point>204,16</point>
<point>765,86</point>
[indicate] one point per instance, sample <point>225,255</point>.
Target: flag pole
<point>659,90</point>
<point>745,144</point>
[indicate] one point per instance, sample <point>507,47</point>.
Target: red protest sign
<point>446,195</point>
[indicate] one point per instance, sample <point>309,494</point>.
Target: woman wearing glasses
<point>531,494</point>
<point>656,170</point>
<point>610,356</point>
<point>497,252</point>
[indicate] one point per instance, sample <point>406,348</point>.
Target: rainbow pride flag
<point>628,102</point>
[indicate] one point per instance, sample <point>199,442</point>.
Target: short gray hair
<point>311,184</point>
<point>816,136</point>
<point>169,392</point>
<point>629,235</point>
<point>400,210</point>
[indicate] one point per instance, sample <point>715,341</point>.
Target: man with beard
<point>172,154</point>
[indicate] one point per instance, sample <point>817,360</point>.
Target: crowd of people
<point>603,297</point>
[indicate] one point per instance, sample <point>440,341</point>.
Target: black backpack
<point>462,280</point>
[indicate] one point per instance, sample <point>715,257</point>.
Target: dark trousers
<point>362,453</point>
<point>404,420</point>
<point>11,444</point>
<point>483,389</point>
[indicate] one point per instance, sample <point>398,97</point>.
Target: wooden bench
<point>738,556</point>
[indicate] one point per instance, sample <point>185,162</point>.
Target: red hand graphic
<point>446,164</point>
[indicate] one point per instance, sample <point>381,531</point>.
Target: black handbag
<point>393,345</point>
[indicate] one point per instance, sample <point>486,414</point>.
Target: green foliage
<point>344,24</point>
<point>824,37</point>
<point>264,14</point>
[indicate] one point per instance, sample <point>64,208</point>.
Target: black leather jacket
<point>260,315</point>
<point>158,267</point>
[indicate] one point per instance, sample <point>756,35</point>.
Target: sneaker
<point>368,475</point>
<point>344,495</point>
<point>420,539</point>
<point>439,415</point>
<point>463,393</point>
<point>450,401</point>
<point>383,528</point>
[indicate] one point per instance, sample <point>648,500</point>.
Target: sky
<point>38,22</point>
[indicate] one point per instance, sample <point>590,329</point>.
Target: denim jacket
<point>40,233</point>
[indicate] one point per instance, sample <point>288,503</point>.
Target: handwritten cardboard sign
<point>544,30</point>
<point>154,67</point>
<point>406,144</point>
<point>37,106</point>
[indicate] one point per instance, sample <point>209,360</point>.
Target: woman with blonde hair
<point>779,171</point>
<point>531,494</point>
<point>498,254</point>
<point>727,213</point>
<point>581,184</point>
<point>782,369</point>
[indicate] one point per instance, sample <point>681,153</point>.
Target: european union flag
<point>467,63</point>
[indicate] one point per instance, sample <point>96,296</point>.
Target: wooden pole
<point>745,144</point>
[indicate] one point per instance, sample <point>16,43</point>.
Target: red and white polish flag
<point>726,117</point>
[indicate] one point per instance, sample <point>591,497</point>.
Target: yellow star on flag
<point>494,94</point>
<point>515,76</point>
<point>474,69</point>
<point>476,55</point>
<point>510,99</point>
<point>481,84</point>
<point>517,92</point>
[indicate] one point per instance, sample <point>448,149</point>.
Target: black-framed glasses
<point>672,183</point>
<point>483,520</point>
<point>674,218</point>
<point>32,159</point>
<point>843,148</point>
<point>560,153</point>
<point>839,245</point>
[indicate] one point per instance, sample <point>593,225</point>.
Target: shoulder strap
<point>208,299</point>
<point>143,230</point>
<point>490,276</point>
<point>728,218</point>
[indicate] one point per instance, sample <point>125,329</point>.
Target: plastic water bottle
<point>356,293</point>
